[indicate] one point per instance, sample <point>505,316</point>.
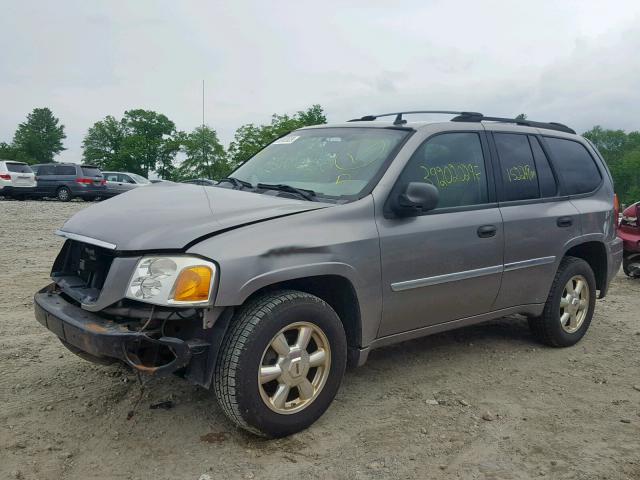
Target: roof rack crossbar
<point>400,121</point>
<point>518,121</point>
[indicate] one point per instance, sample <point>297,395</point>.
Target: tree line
<point>144,141</point>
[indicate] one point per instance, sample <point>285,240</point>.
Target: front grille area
<point>80,270</point>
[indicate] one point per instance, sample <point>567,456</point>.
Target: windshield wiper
<point>236,182</point>
<point>303,192</point>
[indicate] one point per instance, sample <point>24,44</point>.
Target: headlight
<point>167,280</point>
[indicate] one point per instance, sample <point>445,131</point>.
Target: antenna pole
<point>204,155</point>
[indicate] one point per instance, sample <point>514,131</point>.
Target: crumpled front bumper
<point>102,338</point>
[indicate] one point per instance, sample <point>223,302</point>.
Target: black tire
<point>64,194</point>
<point>252,329</point>
<point>547,328</point>
<point>627,261</point>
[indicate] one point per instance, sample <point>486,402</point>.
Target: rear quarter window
<point>91,172</point>
<point>577,169</point>
<point>18,168</point>
<point>65,170</point>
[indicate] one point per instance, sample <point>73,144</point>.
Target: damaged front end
<point>87,308</point>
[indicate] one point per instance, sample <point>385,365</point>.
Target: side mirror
<point>417,198</point>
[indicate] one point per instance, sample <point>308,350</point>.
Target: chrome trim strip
<point>85,239</point>
<point>464,275</point>
<point>449,277</point>
<point>532,262</point>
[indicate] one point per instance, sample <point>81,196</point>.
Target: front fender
<point>337,241</point>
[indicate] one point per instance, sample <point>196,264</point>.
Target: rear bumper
<point>89,191</point>
<point>630,240</point>
<point>104,338</point>
<point>12,189</point>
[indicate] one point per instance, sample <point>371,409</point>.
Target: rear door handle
<point>564,221</point>
<point>487,231</point>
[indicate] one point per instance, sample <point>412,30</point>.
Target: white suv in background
<point>17,180</point>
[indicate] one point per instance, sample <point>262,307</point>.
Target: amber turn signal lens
<point>193,284</point>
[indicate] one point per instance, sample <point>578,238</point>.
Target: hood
<point>167,216</point>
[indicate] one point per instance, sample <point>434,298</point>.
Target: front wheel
<point>281,363</point>
<point>569,308</point>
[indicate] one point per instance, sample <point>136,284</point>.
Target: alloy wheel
<point>574,304</point>
<point>294,367</point>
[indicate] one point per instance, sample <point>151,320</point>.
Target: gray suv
<point>66,181</point>
<point>330,242</point>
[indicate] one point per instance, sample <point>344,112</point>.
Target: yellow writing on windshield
<point>521,173</point>
<point>452,174</point>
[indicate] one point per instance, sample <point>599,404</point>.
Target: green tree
<point>621,151</point>
<point>611,143</point>
<point>206,157</point>
<point>140,142</point>
<point>102,145</point>
<point>249,139</point>
<point>9,152</point>
<point>147,132</point>
<point>40,137</point>
<point>521,116</point>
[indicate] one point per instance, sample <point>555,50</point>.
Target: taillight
<point>103,182</point>
<point>86,181</point>
<point>5,176</point>
<point>638,214</point>
<point>616,210</point>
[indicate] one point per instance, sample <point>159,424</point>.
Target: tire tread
<point>235,342</point>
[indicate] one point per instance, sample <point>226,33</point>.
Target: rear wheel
<point>631,265</point>
<point>281,363</point>
<point>63,194</point>
<point>569,308</point>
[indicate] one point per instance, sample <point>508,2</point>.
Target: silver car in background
<point>121,182</point>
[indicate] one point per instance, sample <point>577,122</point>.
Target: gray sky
<point>573,62</point>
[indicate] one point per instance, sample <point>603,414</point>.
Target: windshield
<point>334,162</point>
<point>18,168</point>
<point>139,178</point>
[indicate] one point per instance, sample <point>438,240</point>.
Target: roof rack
<point>469,117</point>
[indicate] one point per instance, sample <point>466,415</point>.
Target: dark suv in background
<point>66,181</point>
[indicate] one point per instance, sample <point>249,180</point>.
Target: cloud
<point>573,62</point>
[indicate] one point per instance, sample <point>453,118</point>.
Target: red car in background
<point>629,232</point>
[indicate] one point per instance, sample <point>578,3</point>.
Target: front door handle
<point>487,231</point>
<point>564,221</point>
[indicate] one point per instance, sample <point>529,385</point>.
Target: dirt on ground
<point>485,402</point>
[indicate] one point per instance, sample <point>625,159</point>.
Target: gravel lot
<point>484,402</point>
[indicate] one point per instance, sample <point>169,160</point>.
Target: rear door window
<point>454,163</point>
<point>65,170</point>
<point>577,169</point>
<point>18,168</point>
<point>91,172</point>
<point>517,166</point>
